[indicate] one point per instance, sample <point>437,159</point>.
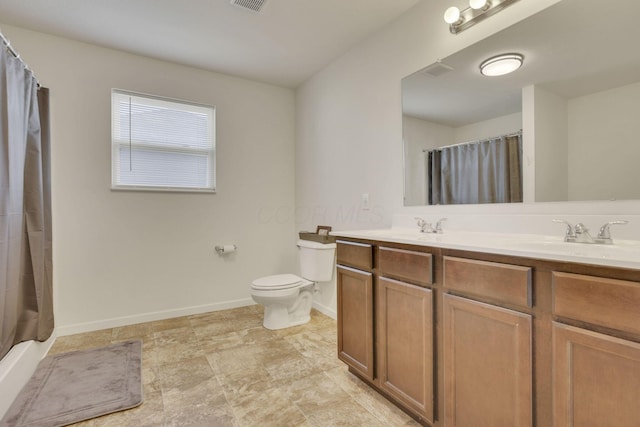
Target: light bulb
<point>451,15</point>
<point>477,4</point>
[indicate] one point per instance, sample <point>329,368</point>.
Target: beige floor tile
<point>369,399</point>
<point>143,331</point>
<point>82,341</point>
<point>347,413</point>
<point>184,372</point>
<point>197,415</point>
<point>217,343</point>
<point>176,322</point>
<point>314,393</point>
<point>268,408</point>
<point>170,353</point>
<point>225,369</point>
<point>291,367</point>
<point>181,335</point>
<point>199,394</point>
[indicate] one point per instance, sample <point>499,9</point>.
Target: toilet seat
<point>276,282</point>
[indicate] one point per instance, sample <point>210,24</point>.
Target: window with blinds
<point>161,144</point>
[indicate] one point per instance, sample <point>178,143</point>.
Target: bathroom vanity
<point>492,330</point>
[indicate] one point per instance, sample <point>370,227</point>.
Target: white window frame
<point>116,144</point>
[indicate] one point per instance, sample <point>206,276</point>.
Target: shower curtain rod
<point>16,55</point>
<point>477,141</point>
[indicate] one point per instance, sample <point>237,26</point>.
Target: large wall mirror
<point>576,100</point>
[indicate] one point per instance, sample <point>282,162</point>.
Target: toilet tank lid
<point>315,245</point>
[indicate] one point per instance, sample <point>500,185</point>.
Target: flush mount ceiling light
<point>501,64</point>
<point>478,10</point>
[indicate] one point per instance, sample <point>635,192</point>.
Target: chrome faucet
<point>604,235</point>
<point>426,227</point>
<point>569,235</point>
<point>580,233</point>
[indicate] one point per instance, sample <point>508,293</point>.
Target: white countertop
<point>623,253</point>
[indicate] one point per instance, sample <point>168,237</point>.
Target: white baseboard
<point>325,310</point>
<point>16,368</point>
<point>149,317</point>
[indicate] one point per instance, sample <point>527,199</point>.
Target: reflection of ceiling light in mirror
<point>451,15</point>
<point>501,64</point>
<point>477,4</point>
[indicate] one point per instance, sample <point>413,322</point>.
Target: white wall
<point>419,135</point>
<point>349,120</point>
<point>551,146</point>
<point>497,126</point>
<point>604,152</point>
<point>349,129</point>
<point>124,257</point>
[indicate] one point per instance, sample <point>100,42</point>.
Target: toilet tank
<point>317,260</point>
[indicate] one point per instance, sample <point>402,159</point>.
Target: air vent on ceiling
<point>252,5</point>
<point>437,69</point>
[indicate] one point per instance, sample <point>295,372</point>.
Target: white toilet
<point>287,298</point>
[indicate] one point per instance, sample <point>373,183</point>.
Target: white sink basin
<point>623,251</point>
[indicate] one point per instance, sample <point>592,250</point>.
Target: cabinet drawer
<point>353,254</point>
<point>412,266</point>
<point>606,302</point>
<point>500,282</point>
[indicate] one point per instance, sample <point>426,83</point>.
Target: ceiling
<point>284,44</point>
<point>572,48</point>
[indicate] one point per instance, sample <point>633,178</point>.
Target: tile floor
<point>224,369</point>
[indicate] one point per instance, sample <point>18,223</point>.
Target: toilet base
<point>284,311</point>
<point>277,317</point>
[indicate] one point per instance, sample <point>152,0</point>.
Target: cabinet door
<point>596,379</point>
<point>487,365</point>
<point>405,344</point>
<point>355,320</point>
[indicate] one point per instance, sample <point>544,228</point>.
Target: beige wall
<point>550,136</point>
<point>349,132</point>
<point>124,257</point>
<point>603,147</point>
<point>419,135</point>
<point>349,121</point>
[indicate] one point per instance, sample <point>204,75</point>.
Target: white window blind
<point>161,144</point>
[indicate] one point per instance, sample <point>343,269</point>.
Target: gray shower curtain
<point>26,303</point>
<point>487,171</point>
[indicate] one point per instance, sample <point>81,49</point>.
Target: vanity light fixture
<point>501,64</point>
<point>478,10</point>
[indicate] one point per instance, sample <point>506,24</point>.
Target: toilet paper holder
<point>225,249</point>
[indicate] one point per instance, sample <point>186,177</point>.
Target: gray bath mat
<point>72,387</point>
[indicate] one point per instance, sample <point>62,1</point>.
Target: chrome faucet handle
<point>569,233</point>
<point>439,229</point>
<point>421,223</point>
<point>605,233</point>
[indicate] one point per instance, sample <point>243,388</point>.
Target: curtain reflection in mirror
<point>484,171</point>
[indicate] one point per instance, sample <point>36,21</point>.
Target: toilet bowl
<point>287,298</point>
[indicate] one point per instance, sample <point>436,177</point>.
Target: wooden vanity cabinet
<point>488,375</point>
<point>385,322</point>
<point>459,338</point>
<point>355,307</point>
<point>487,365</point>
<point>405,329</point>
<point>596,376</point>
